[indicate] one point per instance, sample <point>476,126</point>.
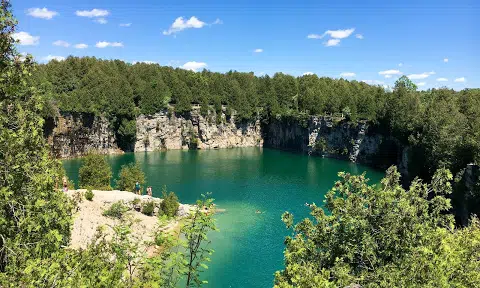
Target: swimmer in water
<point>258,212</point>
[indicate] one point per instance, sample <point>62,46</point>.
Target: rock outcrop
<point>165,131</point>
<point>74,134</point>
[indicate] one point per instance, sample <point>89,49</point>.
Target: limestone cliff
<point>336,138</point>
<point>165,131</point>
<point>74,134</point>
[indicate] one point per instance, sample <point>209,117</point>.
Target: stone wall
<point>165,131</point>
<point>74,134</point>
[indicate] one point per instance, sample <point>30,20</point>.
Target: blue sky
<point>375,41</point>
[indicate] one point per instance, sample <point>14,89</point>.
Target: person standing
<point>149,191</point>
<point>137,188</point>
<point>65,184</point>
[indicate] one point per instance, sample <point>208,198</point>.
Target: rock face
<point>336,138</point>
<point>165,131</point>
<point>74,134</point>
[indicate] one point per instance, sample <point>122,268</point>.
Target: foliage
<point>169,205</point>
<point>382,236</point>
<point>35,218</point>
<point>195,230</point>
<point>117,210</point>
<point>129,175</point>
<point>148,208</point>
<point>95,172</point>
<point>89,195</point>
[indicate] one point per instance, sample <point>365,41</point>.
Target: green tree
<point>169,205</point>
<point>35,218</point>
<point>95,172</point>
<point>129,175</point>
<point>382,236</point>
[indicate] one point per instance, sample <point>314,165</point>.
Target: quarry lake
<point>248,246</point>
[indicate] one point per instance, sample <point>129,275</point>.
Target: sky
<point>434,42</point>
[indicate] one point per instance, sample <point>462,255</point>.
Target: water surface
<point>249,246</point>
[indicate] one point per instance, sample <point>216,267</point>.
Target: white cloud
<point>308,73</point>
<point>347,74</point>
<point>194,66</point>
<point>420,76</point>
<point>43,13</point>
<point>419,84</point>
<point>61,43</point>
<point>359,36</point>
<point>259,50</point>
<point>125,24</point>
<point>51,57</point>
<point>217,21</point>
<point>26,39</point>
<point>332,42</point>
<point>389,73</point>
<point>442,79</point>
<point>181,24</point>
<point>400,64</point>
<point>460,80</point>
<point>92,13</point>
<point>432,73</point>
<point>373,82</point>
<point>104,44</point>
<point>339,34</point>
<point>81,46</point>
<point>445,60</point>
<point>101,20</point>
<point>314,36</point>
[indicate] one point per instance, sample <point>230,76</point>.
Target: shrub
<point>95,172</point>
<point>116,210</point>
<point>169,205</point>
<point>148,207</point>
<point>89,195</point>
<point>129,175</point>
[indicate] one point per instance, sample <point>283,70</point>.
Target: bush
<point>116,210</point>
<point>95,172</point>
<point>148,207</point>
<point>129,175</point>
<point>169,205</point>
<point>89,195</point>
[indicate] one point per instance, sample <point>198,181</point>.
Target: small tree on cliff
<point>95,173</point>
<point>35,218</point>
<point>129,175</point>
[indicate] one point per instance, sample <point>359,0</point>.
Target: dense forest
<point>441,126</point>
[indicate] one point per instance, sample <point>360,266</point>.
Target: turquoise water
<point>249,246</point>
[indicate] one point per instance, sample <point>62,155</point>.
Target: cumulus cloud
<point>92,13</point>
<point>308,73</point>
<point>373,82</point>
<point>359,36</point>
<point>442,79</point>
<point>332,42</point>
<point>259,50</point>
<point>460,80</point>
<point>400,64</point>
<point>347,74</point>
<point>81,46</point>
<point>51,57</point>
<point>43,13</point>
<point>181,24</point>
<point>101,20</point>
<point>125,24</point>
<point>61,43</point>
<point>389,73</point>
<point>194,66</point>
<point>104,44</point>
<point>420,84</point>
<point>314,36</point>
<point>420,76</point>
<point>26,39</point>
<point>445,60</point>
